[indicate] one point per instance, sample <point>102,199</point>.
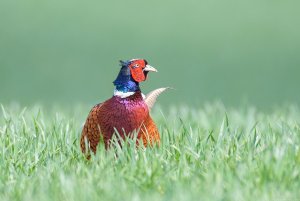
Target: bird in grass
<point>127,112</point>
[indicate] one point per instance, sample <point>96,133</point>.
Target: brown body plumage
<point>127,115</point>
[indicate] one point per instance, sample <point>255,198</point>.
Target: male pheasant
<point>126,112</point>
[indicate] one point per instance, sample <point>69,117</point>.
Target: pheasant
<point>126,112</point>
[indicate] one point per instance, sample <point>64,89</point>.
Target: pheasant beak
<point>149,68</point>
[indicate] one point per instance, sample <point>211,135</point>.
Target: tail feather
<point>151,97</point>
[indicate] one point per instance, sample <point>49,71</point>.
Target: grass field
<point>207,153</point>
<point>64,52</point>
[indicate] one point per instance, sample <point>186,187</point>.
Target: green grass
<point>207,153</point>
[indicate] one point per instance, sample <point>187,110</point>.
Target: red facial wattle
<point>139,70</point>
<point>136,69</point>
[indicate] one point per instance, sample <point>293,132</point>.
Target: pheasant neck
<point>127,86</point>
<point>124,83</point>
<point>126,89</point>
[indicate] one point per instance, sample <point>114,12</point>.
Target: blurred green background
<point>62,51</point>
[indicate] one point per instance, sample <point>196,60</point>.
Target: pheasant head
<point>131,74</point>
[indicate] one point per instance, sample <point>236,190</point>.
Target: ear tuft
<point>124,63</point>
<point>121,62</point>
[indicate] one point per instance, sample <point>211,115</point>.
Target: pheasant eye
<point>135,66</point>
